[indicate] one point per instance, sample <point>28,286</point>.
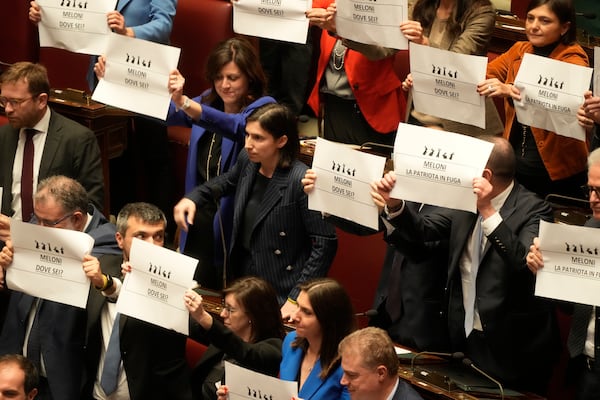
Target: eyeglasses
<point>228,309</point>
<point>14,103</point>
<point>45,222</point>
<point>587,190</point>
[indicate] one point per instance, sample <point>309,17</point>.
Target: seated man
<point>150,360</point>
<point>38,143</point>
<point>493,315</point>
<point>59,202</point>
<point>18,378</point>
<point>370,367</point>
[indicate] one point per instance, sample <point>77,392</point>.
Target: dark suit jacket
<point>263,356</point>
<point>71,150</point>
<point>519,327</point>
<point>153,357</point>
<point>63,341</point>
<point>290,243</point>
<point>406,392</point>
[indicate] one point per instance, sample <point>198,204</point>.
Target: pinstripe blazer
<point>289,243</point>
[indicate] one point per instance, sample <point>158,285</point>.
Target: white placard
<point>272,19</point>
<point>343,182</point>
<point>571,263</point>
<point>137,75</point>
<point>437,167</point>
<point>153,291</point>
<point>47,263</point>
<point>245,384</point>
<point>596,87</point>
<point>370,22</point>
<point>445,84</point>
<point>551,93</point>
<point>79,26</point>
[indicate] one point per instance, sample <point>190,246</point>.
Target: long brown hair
<point>425,11</point>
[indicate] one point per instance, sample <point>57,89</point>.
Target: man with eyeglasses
<point>38,143</point>
<point>60,330</point>
<point>583,343</point>
<point>151,360</point>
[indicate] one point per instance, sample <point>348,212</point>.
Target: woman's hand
<point>35,13</point>
<point>494,88</point>
<point>176,84</point>
<point>308,182</point>
<point>6,255</point>
<point>591,106</point>
<point>413,31</point>
<point>116,22</point>
<point>193,302</point>
<point>223,392</point>
<point>408,83</point>
<point>184,213</point>
<point>100,67</point>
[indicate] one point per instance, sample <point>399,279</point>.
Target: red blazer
<point>375,85</point>
<point>562,156</point>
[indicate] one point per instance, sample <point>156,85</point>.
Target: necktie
<point>27,176</point>
<point>469,295</point>
<point>34,345</point>
<point>112,360</point>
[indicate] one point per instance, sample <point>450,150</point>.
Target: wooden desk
<point>110,125</point>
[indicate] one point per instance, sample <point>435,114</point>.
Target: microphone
<point>469,363</point>
<point>369,313</point>
<point>588,15</point>
<point>454,356</point>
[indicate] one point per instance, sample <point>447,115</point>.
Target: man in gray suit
<point>370,367</point>
<point>60,145</point>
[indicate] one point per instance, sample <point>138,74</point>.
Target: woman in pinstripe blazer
<point>275,236</point>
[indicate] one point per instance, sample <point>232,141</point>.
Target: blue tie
<point>112,360</point>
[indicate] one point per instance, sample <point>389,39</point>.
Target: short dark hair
<point>67,192</point>
<point>34,74</point>
<point>374,347</point>
<point>259,300</point>
<point>278,120</point>
<point>32,378</point>
<point>564,11</point>
<point>502,160</point>
<point>146,212</point>
<point>333,309</point>
<point>244,55</point>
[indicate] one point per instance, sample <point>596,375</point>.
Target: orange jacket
<point>562,156</point>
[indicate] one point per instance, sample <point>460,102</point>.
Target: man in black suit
<point>584,340</point>
<point>370,367</point>
<point>61,146</point>
<point>493,315</point>
<point>60,202</point>
<point>153,358</point>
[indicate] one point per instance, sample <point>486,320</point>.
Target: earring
<point>249,322</point>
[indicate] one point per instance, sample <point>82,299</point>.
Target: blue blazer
<point>233,129</point>
<point>289,243</point>
<point>314,387</point>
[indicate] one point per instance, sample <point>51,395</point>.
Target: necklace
<point>339,51</point>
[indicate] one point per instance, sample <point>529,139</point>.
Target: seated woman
<point>249,336</point>
<point>310,353</point>
<point>218,121</point>
<point>546,162</point>
<point>275,236</point>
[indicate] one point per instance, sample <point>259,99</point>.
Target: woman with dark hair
<point>546,162</point>
<point>461,26</point>
<point>218,119</point>
<point>250,334</point>
<point>275,236</point>
<point>323,318</point>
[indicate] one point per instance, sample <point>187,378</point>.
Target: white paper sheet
<point>273,19</point>
<point>596,87</point>
<point>246,384</point>
<point>153,291</point>
<point>571,263</point>
<point>137,76</point>
<point>551,93</point>
<point>371,22</point>
<point>47,263</point>
<point>445,84</point>
<point>437,167</point>
<point>76,25</point>
<point>343,182</point>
